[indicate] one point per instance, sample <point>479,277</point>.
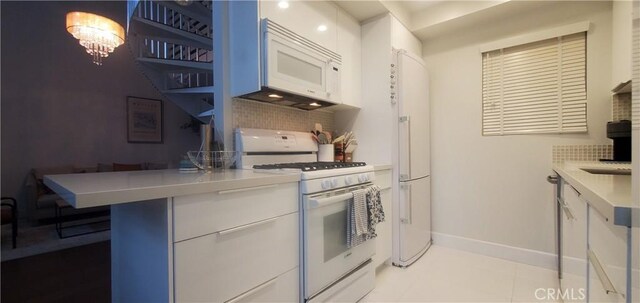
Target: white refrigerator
<point>412,209</point>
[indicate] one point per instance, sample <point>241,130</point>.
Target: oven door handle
<point>322,201</point>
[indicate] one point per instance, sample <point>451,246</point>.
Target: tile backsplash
<point>621,107</point>
<point>581,152</point>
<point>252,114</point>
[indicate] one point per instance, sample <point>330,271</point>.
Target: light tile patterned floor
<point>450,275</point>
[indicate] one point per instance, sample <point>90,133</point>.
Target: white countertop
<point>610,195</point>
<point>108,188</point>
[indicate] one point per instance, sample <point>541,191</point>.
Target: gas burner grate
<point>310,166</point>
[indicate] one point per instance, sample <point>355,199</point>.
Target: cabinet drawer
<point>351,289</point>
<point>198,215</point>
<point>220,266</point>
<point>383,178</point>
<point>608,243</point>
<point>283,288</point>
<point>574,232</point>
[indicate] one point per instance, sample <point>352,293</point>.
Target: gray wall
<point>58,108</point>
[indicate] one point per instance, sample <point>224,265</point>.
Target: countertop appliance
<point>412,216</point>
<point>330,270</point>
<point>295,71</point>
<point>620,133</point>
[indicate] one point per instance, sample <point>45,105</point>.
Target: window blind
<point>538,87</point>
<point>635,83</point>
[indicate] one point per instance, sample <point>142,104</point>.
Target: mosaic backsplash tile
<point>581,152</point>
<point>621,107</point>
<point>252,114</point>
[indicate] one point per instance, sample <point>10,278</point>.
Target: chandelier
<point>99,35</point>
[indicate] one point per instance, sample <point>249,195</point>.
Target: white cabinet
<point>223,265</point>
<point>595,253</point>
<point>314,20</point>
<point>574,243</point>
<point>197,215</point>
<point>384,240</point>
<point>349,47</point>
<point>237,245</point>
<point>574,225</point>
<point>608,259</point>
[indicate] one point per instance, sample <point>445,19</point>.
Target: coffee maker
<point>620,133</point>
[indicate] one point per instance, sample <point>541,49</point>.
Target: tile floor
<point>450,275</point>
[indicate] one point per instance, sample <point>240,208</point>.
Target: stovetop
<point>310,166</point>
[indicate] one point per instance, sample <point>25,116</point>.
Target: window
<point>538,87</point>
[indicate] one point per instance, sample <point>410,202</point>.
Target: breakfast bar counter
<point>108,188</point>
<point>173,234</point>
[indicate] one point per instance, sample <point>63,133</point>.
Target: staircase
<point>171,42</point>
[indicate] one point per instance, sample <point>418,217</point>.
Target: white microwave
<point>295,71</point>
<point>297,65</point>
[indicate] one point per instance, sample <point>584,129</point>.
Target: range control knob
<point>363,178</point>
<point>348,180</point>
<point>326,184</point>
<point>334,183</point>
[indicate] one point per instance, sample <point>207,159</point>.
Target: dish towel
<point>360,212</point>
<point>353,239</point>
<point>364,212</point>
<point>374,206</point>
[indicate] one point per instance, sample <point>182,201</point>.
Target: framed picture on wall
<point>144,120</point>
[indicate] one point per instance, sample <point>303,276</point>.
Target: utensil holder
<point>325,153</point>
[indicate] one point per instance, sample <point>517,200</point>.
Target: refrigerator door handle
<point>407,175</point>
<point>409,216</point>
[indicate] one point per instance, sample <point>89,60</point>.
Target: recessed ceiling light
<point>314,104</point>
<point>322,28</point>
<point>275,96</point>
<point>283,4</point>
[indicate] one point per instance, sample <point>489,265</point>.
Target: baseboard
<point>496,250</point>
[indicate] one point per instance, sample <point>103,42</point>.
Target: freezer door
<point>415,217</point>
<point>413,110</point>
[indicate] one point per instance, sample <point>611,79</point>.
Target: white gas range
<point>330,270</point>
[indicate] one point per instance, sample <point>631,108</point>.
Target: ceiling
<point>367,9</point>
<point>427,19</point>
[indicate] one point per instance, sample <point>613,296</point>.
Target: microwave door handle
<point>321,202</point>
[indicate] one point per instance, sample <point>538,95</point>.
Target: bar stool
<point>10,215</point>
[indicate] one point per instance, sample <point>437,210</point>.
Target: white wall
<point>493,188</point>
<point>402,38</point>
<point>621,37</point>
<point>58,108</point>
<point>372,124</point>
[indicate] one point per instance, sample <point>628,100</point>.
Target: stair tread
<point>151,28</point>
<point>168,64</point>
<point>190,90</point>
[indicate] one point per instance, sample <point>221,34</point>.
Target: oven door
<point>326,256</point>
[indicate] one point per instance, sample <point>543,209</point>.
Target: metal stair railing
<point>174,50</point>
<point>159,12</point>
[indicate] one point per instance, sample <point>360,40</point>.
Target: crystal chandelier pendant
<point>97,34</point>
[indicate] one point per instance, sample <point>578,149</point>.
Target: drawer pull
<point>602,275</point>
<point>239,190</point>
<point>575,190</point>
<point>253,291</point>
<point>565,209</point>
<point>247,226</point>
